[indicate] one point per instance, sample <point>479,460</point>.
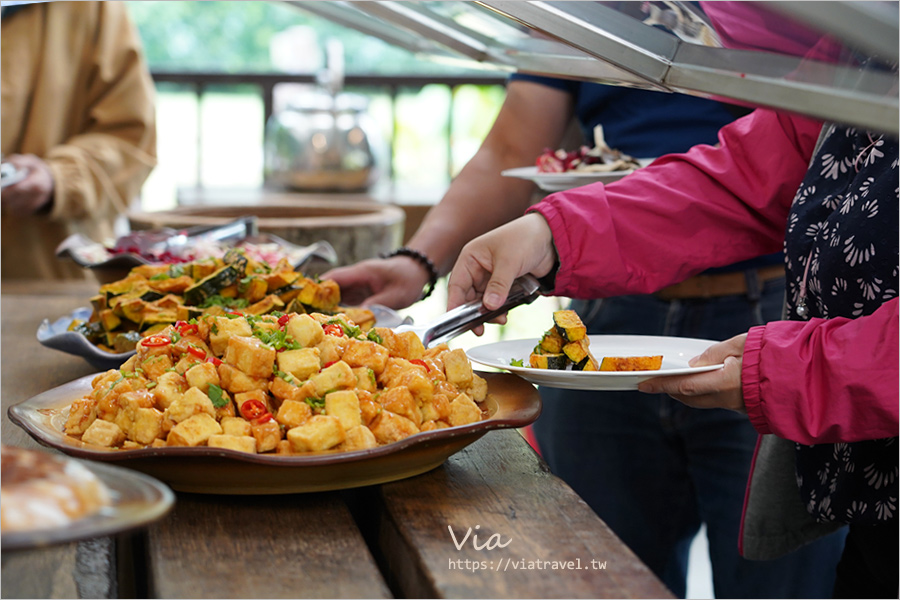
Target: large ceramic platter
<point>137,500</point>
<point>557,182</point>
<point>511,403</point>
<point>55,334</point>
<point>676,353</point>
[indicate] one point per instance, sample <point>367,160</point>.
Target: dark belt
<point>721,284</point>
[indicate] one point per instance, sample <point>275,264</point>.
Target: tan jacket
<point>77,93</point>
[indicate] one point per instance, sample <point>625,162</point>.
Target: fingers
<point>717,353</point>
<point>713,389</point>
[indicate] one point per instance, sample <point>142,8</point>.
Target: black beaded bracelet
<point>421,259</point>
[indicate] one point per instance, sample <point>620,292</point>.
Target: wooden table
<point>391,540</point>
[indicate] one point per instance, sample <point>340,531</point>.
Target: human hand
<point>33,193</point>
<point>713,389</point>
<point>487,265</point>
<point>395,282</point>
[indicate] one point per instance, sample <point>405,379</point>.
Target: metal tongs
<point>468,316</point>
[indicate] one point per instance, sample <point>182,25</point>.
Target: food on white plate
<point>567,345</point>
<point>42,491</point>
<point>631,363</point>
<point>152,297</point>
<point>288,384</point>
<point>599,159</point>
<point>564,344</point>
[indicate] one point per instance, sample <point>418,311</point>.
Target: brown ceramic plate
<point>511,402</point>
<point>137,501</point>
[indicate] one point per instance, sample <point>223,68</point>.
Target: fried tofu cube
<point>405,345</point>
<point>237,426</point>
<point>284,390</point>
<point>236,381</point>
<point>267,435</point>
<point>478,389</point>
<point>359,353</point>
<point>390,427</point>
<point>365,379</point>
<point>331,349</point>
<point>301,363</point>
<point>368,407</point>
<point>358,438</point>
<point>284,448</point>
<point>257,395</point>
<point>338,376</point>
<point>433,425</point>
<point>292,413</point>
<point>305,330</point>
<point>202,375</point>
<point>147,425</point>
<point>457,367</point>
<point>345,406</point>
<point>241,443</point>
<point>463,411</point>
<point>81,414</point>
<point>192,402</point>
<point>103,433</point>
<point>399,400</point>
<point>193,431</point>
<point>156,365</point>
<point>437,409</point>
<point>321,432</point>
<point>170,387</point>
<point>250,355</point>
<point>223,329</point>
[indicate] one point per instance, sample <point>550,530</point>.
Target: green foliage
<point>230,37</point>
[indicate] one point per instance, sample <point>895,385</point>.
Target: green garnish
<point>219,300</point>
<point>217,396</point>
<point>374,337</point>
<point>516,362</point>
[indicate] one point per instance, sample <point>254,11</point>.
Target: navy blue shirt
<point>648,124</point>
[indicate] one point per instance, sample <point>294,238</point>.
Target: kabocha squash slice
<point>569,326</point>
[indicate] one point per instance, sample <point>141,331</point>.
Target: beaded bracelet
<point>421,259</point>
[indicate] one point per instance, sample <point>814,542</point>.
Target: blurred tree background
<point>229,37</point>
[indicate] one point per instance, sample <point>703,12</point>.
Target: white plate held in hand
<point>676,353</point>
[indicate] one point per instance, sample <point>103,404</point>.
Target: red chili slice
<point>333,329</point>
<point>156,340</point>
<point>328,364</point>
<point>185,328</point>
<point>421,363</point>
<point>265,418</point>
<point>253,409</point>
<point>198,352</point>
<point>214,360</point>
<point>283,319</point>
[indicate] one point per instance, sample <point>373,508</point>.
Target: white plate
<point>137,501</point>
<point>676,353</point>
<point>11,175</point>
<point>557,182</point>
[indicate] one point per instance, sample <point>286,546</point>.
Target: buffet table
<point>530,535</point>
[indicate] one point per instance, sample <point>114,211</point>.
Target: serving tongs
<point>468,316</point>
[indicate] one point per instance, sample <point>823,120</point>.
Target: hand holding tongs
<point>468,316</point>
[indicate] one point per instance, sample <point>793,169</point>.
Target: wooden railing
<point>390,85</point>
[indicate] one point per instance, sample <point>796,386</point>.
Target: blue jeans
<point>655,470</point>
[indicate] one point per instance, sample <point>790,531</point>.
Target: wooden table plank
<point>290,546</point>
<point>27,369</point>
<point>553,544</point>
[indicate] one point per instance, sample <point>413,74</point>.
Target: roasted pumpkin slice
<point>212,285</point>
<point>568,324</point>
<point>552,342</point>
<point>556,362</point>
<point>577,351</point>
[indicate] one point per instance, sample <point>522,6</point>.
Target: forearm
<point>533,117</point>
<point>824,381</point>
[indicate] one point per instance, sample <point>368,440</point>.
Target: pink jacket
<point>715,206</point>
